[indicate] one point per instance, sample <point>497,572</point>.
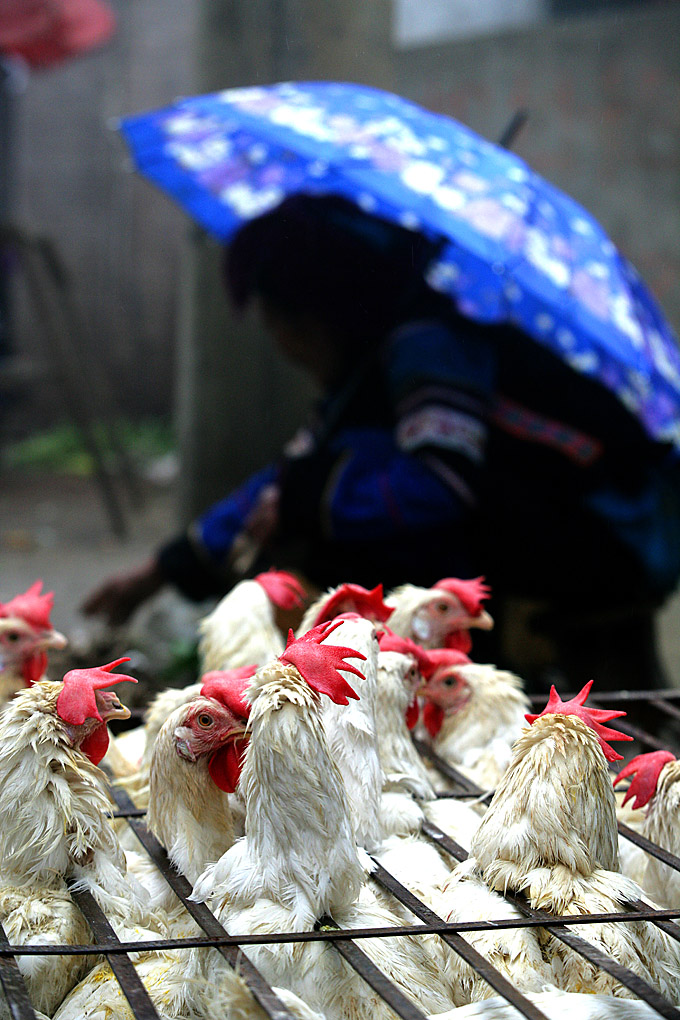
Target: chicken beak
<point>110,707</point>
<point>52,639</point>
<point>484,621</point>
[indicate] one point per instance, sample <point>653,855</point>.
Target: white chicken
<point>195,764</point>
<point>440,616</point>
<point>556,1005</point>
<point>550,831</point>
<point>194,767</point>
<point>54,825</point>
<point>474,713</point>
<point>240,631</point>
<point>298,860</point>
<point>346,598</point>
<point>242,628</point>
<point>408,797</point>
<point>26,634</point>
<point>655,785</point>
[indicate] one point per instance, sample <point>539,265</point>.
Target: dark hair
<point>323,256</point>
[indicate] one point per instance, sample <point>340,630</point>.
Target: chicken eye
<point>12,636</point>
<point>204,720</point>
<point>449,681</point>
<point>442,607</point>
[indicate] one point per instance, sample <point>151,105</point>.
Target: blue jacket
<point>461,450</point>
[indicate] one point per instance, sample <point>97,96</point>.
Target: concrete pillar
<point>238,401</point>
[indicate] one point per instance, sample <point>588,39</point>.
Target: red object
<point>645,769</point>
<point>367,603</point>
<point>319,664</point>
<point>471,593</point>
<point>227,686</point>
<point>442,657</point>
<point>594,717</point>
<point>391,642</point>
<point>32,607</point>
<point>433,718</point>
<point>412,713</point>
<point>47,32</point>
<point>225,764</point>
<point>284,590</point>
<point>77,702</point>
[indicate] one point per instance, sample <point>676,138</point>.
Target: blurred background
<point>112,335</point>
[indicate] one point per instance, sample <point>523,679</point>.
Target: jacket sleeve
<point>196,562</point>
<point>423,472</point>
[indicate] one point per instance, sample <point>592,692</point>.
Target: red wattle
<point>433,717</point>
<point>225,765</point>
<point>33,669</point>
<point>96,745</point>
<point>460,640</point>
<point>412,713</point>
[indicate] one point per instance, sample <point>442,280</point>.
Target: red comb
<point>594,717</point>
<point>227,687</point>
<point>284,590</point>
<point>367,603</point>
<point>391,642</point>
<point>31,606</point>
<point>442,657</point>
<point>319,665</point>
<point>77,702</point>
<point>470,593</point>
<point>646,769</point>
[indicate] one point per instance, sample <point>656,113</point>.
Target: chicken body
<point>556,1005</point>
<point>190,816</point>
<point>298,862</point>
<point>550,831</point>
<point>408,797</point>
<point>661,825</point>
<point>482,714</point>
<point>53,827</point>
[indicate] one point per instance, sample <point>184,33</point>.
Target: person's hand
<point>260,526</point>
<point>118,597</point>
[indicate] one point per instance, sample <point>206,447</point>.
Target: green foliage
<point>63,451</point>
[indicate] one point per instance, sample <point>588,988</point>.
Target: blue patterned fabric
<point>515,249</point>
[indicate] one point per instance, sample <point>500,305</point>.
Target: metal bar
<point>469,788</point>
<point>456,942</point>
<point>513,128</point>
<point>277,938</point>
<point>11,979</point>
<point>666,707</point>
<point>237,960</point>
<point>623,975</point>
<point>122,966</point>
<point>373,976</point>
<point>652,848</point>
<point>672,930</point>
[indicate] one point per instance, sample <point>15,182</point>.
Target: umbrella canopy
<point>514,249</point>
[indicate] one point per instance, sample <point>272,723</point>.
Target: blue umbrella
<point>515,248</point>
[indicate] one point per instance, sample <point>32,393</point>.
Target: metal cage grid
<point>347,942</point>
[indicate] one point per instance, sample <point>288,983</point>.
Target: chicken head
<point>211,730</point>
<point>85,707</point>
<point>26,633</point>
